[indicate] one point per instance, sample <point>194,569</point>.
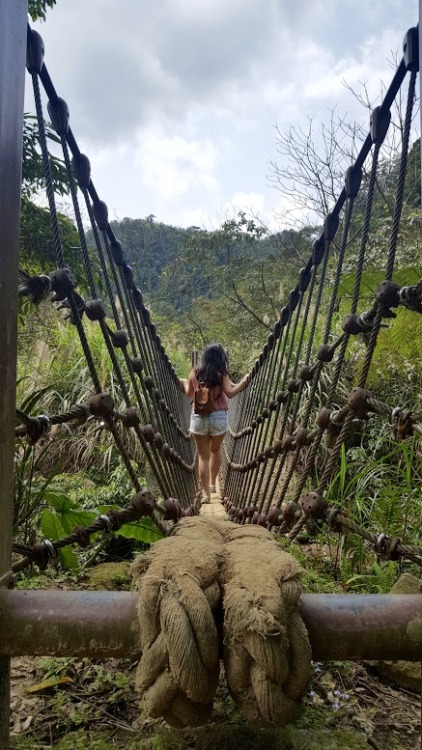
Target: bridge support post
<point>420,84</point>
<point>13,23</point>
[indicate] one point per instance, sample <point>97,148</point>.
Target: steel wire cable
<point>56,233</point>
<point>249,443</point>
<point>355,298</point>
<point>331,462</point>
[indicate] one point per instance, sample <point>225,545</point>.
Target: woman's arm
<point>186,386</point>
<point>232,389</point>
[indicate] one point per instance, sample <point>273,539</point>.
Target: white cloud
<point>251,202</point>
<point>175,101</point>
<point>173,166</point>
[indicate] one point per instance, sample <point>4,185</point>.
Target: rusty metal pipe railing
<point>103,624</point>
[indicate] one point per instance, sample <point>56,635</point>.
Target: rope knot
<point>36,427</point>
<point>82,536</point>
<point>204,571</point>
<point>42,552</point>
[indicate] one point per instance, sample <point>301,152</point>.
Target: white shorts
<point>216,423</point>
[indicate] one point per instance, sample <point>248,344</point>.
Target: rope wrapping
<point>267,655</point>
<point>202,593</point>
<point>177,674</point>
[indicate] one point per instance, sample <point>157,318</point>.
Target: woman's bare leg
<point>203,445</point>
<point>215,457</point>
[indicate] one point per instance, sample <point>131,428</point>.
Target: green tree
<point>38,8</point>
<point>150,247</point>
<point>37,254</point>
<point>32,165</point>
<point>36,238</point>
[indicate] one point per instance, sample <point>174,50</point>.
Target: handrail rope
<point>249,480</point>
<point>256,428</point>
<point>403,422</point>
<point>388,99</point>
<point>151,459</point>
<point>360,265</point>
<point>127,400</point>
<point>142,504</point>
<point>101,210</point>
<point>78,216</point>
<point>390,264</point>
<point>286,382</point>
<point>353,179</point>
<point>379,126</point>
<point>329,466</point>
<point>304,374</point>
<point>34,427</point>
<point>285,323</point>
<point>118,283</point>
<point>398,204</point>
<point>68,292</point>
<point>55,102</point>
<point>125,276</point>
<point>87,263</point>
<point>320,253</point>
<point>378,407</point>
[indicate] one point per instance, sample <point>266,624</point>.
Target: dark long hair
<point>213,365</point>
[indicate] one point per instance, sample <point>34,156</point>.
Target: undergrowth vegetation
<point>72,474</point>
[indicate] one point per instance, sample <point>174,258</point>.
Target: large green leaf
<point>371,279</point>
<point>68,512</point>
<point>60,501</point>
<point>52,529</point>
<point>143,531</point>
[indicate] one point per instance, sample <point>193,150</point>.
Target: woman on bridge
<point>209,386</point>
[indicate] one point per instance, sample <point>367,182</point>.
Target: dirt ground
<point>72,704</point>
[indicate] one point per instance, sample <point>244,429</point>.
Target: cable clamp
<point>381,545</point>
<point>45,421</point>
<point>52,552</point>
<point>107,520</point>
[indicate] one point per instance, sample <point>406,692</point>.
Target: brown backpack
<point>203,400</point>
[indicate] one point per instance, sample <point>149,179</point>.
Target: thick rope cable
<point>200,589</point>
<point>168,454</point>
<point>179,593</point>
<point>267,654</point>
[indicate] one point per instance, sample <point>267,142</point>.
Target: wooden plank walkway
<point>215,508</point>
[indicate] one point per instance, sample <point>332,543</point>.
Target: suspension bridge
<point>282,426</point>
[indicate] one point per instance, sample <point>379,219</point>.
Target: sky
<point>177,102</point>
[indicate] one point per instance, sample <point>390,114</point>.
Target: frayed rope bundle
<point>212,577</point>
<point>177,674</point>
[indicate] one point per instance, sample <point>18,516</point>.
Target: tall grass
<point>383,495</point>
